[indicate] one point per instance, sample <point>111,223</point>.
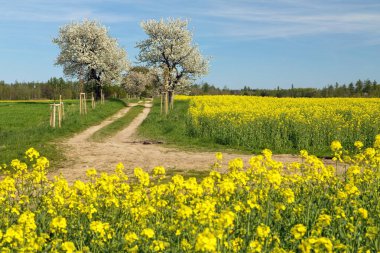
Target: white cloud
<point>59,11</point>
<point>237,19</point>
<point>292,18</point>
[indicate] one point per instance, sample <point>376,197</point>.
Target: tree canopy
<point>170,48</point>
<point>140,81</point>
<point>89,53</point>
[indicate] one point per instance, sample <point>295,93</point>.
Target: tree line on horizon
<point>54,87</point>
<point>360,88</point>
<point>50,89</point>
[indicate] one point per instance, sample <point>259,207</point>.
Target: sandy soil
<point>125,147</point>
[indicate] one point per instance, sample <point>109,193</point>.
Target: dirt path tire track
<point>83,136</point>
<point>125,147</point>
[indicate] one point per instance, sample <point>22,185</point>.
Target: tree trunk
<point>171,98</point>
<point>166,103</point>
<point>98,87</point>
<point>98,91</point>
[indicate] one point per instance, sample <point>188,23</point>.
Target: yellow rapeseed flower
<point>376,144</point>
<point>263,231</point>
<point>289,195</point>
<point>58,225</point>
<point>131,237</point>
<point>206,241</point>
<point>68,247</point>
<point>159,246</point>
<point>324,220</point>
<point>255,247</point>
<point>275,178</point>
<point>227,219</point>
<point>363,212</point>
<point>372,232</point>
<point>336,146</point>
<point>298,231</point>
<point>219,156</point>
<point>148,232</point>
<point>358,144</point>
<point>91,172</point>
<point>158,171</point>
<point>32,154</point>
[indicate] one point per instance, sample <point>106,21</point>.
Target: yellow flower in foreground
<point>218,156</point>
<point>159,246</point>
<point>304,153</point>
<point>69,247</point>
<point>101,228</point>
<point>376,144</point>
<point>358,144</point>
<point>159,170</point>
<point>336,146</point>
<point>312,244</point>
<point>142,176</point>
<point>263,231</point>
<point>298,231</point>
<point>351,189</point>
<point>370,152</point>
<point>58,224</point>
<point>91,172</point>
<point>119,168</point>
<point>255,247</point>
<point>148,232</point>
<point>185,245</point>
<point>372,233</point>
<point>32,154</point>
<point>227,219</point>
<point>236,163</point>
<point>363,212</point>
<point>206,241</point>
<point>274,177</point>
<point>130,237</point>
<point>324,220</point>
<point>289,195</point>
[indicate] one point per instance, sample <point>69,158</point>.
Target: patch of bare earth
<point>125,147</point>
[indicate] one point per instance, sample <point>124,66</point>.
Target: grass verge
<point>26,124</point>
<point>117,125</point>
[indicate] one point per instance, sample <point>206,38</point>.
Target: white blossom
<point>136,82</point>
<point>170,48</point>
<point>88,52</point>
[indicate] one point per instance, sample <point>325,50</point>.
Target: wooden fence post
<point>161,101</point>
<point>101,96</point>
<point>92,100</point>
<point>82,103</point>
<point>62,107</point>
<point>166,103</point>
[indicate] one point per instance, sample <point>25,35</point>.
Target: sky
<point>256,43</point>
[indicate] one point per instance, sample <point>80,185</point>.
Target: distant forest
<point>70,90</point>
<point>51,90</point>
<point>360,88</point>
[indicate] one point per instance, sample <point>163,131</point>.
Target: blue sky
<point>258,43</point>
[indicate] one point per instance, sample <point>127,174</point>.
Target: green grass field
<point>26,124</point>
